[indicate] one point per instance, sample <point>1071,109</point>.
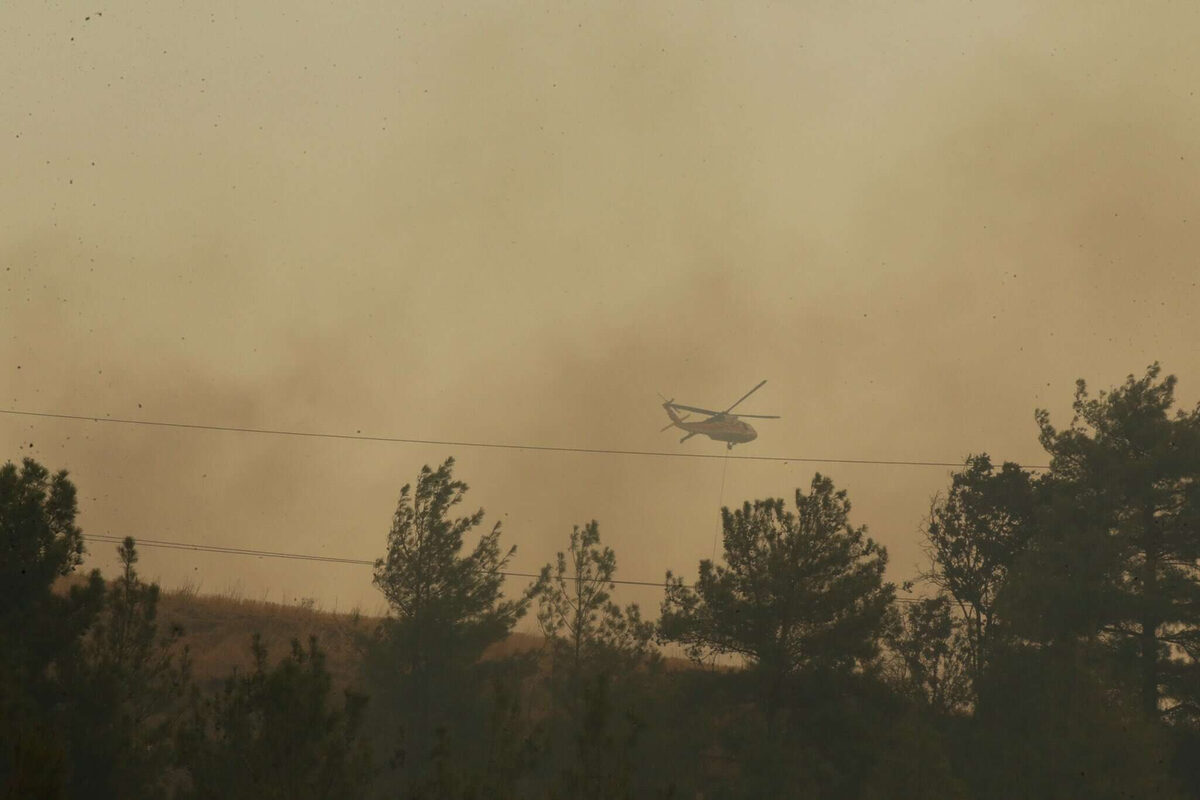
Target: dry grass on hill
<point>218,631</point>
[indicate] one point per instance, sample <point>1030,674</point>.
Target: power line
<point>208,548</point>
<point>492,445</point>
<point>241,551</point>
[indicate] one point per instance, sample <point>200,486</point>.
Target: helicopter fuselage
<point>729,430</point>
<point>721,427</point>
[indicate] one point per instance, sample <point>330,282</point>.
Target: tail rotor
<point>675,418</point>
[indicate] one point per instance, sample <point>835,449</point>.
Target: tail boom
<point>676,420</point>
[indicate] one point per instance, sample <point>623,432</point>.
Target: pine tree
<point>127,694</point>
<point>598,652</point>
<point>586,630</point>
<point>40,631</point>
<point>446,609</point>
<point>974,535</point>
<point>799,591</point>
<point>274,733</point>
<point>929,644</point>
<point>1126,478</point>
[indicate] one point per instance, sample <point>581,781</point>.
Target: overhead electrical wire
<point>171,545</point>
<point>490,445</point>
<point>241,551</point>
<point>203,548</point>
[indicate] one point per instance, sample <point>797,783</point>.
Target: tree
<point>800,591</point>
<point>40,631</point>
<point>127,694</point>
<point>445,610</point>
<point>597,650</point>
<point>1051,723</point>
<point>502,772</point>
<point>273,733</point>
<point>604,751</point>
<point>40,543</point>
<point>1060,591</point>
<point>927,640</point>
<point>973,536</point>
<point>582,625</point>
<point>443,604</point>
<point>513,745</point>
<point>912,763</point>
<point>1131,471</point>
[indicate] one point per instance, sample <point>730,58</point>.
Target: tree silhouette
<point>127,692</point>
<point>273,733</point>
<point>927,640</point>
<point>446,608</point>
<point>973,536</point>
<point>598,651</point>
<point>800,591</point>
<point>584,628</point>
<point>604,750</point>
<point>40,631</point>
<point>1130,475</point>
<point>1051,723</point>
<point>912,764</point>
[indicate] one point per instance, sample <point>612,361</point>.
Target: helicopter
<point>721,426</point>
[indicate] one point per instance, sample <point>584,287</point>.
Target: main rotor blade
<point>697,410</point>
<point>743,397</point>
<point>757,416</point>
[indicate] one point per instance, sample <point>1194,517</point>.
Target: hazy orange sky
<point>517,222</point>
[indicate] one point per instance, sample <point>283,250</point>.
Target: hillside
<point>218,631</point>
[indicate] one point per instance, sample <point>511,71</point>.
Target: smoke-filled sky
<point>518,222</point>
